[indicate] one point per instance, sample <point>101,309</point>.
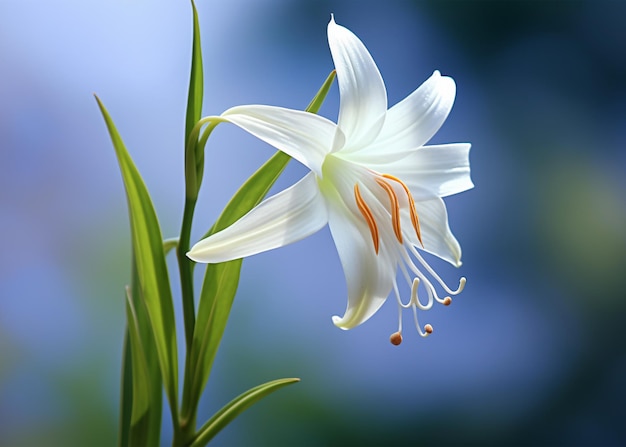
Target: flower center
<point>384,181</point>
<point>399,196</point>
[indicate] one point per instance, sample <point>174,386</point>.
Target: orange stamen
<point>395,207</point>
<point>367,215</point>
<point>414,217</point>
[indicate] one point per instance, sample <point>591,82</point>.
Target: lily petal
<point>412,122</point>
<point>436,235</point>
<point>290,215</point>
<point>305,136</point>
<point>369,276</point>
<point>363,97</point>
<point>438,170</point>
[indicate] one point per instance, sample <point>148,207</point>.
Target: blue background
<point>533,350</point>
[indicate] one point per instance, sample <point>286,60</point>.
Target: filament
<point>430,270</point>
<point>428,329</point>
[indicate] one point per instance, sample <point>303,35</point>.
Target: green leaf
<point>141,386</point>
<point>194,158</point>
<point>317,101</point>
<point>145,422</point>
<point>258,185</point>
<point>196,81</point>
<point>218,291</point>
<point>126,398</point>
<point>169,245</point>
<point>234,408</point>
<point>150,263</point>
<point>141,376</point>
<point>221,280</point>
<point>194,169</point>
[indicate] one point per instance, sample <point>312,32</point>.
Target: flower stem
<point>185,266</point>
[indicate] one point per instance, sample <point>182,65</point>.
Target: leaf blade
<point>139,364</point>
<point>216,298</point>
<point>150,263</point>
<point>194,158</point>
<point>235,407</point>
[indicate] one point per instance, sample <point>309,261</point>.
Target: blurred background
<point>532,353</point>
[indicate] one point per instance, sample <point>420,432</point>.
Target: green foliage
<point>235,407</point>
<point>221,280</point>
<point>194,159</point>
<point>141,368</point>
<point>194,169</point>
<point>150,350</point>
<point>152,275</point>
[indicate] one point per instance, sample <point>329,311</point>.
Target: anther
<point>367,215</point>
<point>428,329</point>
<point>414,217</point>
<point>395,207</point>
<point>396,338</point>
<point>447,301</point>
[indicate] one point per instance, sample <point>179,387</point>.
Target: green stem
<point>196,143</point>
<point>193,174</point>
<point>186,422</point>
<point>185,266</point>
<point>184,433</point>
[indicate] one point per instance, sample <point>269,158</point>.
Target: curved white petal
<point>304,136</point>
<point>436,234</point>
<point>413,121</point>
<point>290,215</point>
<point>438,170</point>
<point>369,276</point>
<point>442,169</point>
<point>363,97</point>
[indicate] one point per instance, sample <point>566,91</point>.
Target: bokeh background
<point>532,353</point>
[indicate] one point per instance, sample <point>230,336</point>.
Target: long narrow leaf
<point>235,407</point>
<point>196,81</point>
<point>221,280</point>
<point>194,166</point>
<point>146,390</point>
<point>145,423</point>
<point>126,397</point>
<point>150,262</point>
<point>194,159</point>
<point>141,375</point>
<point>258,185</point>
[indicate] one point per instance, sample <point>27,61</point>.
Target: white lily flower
<point>372,181</point>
